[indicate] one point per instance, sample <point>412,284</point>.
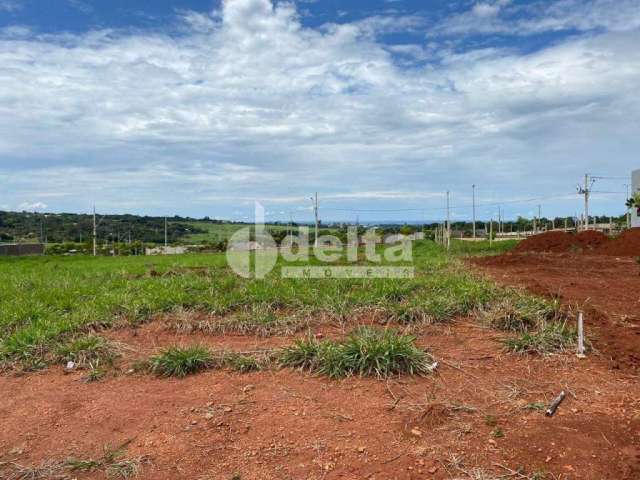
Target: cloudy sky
<point>200,107</point>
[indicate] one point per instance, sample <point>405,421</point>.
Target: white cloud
<point>559,15</point>
<point>485,9</point>
<point>27,206</point>
<point>247,103</point>
<point>10,6</point>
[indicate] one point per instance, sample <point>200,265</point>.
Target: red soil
<point>562,242</point>
<point>627,244</point>
<point>607,289</point>
<point>286,424</point>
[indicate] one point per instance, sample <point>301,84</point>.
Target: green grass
<point>46,302</point>
<point>180,362</point>
<point>220,231</point>
<point>366,352</point>
<point>547,338</point>
<point>88,350</point>
<point>520,312</point>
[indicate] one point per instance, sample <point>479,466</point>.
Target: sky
<point>202,107</point>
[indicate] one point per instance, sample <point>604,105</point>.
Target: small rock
<point>416,432</point>
<point>433,469</point>
<point>228,409</point>
<point>361,449</point>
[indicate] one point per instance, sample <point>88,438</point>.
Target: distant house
<point>21,249</point>
<point>166,251</point>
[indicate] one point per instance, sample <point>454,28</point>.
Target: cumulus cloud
<point>248,103</point>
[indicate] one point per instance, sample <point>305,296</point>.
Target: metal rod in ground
<point>580,335</point>
<point>555,404</point>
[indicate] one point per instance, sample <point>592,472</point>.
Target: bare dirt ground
<point>606,288</point>
<point>473,417</point>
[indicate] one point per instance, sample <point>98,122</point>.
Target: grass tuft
<point>366,352</point>
<point>547,338</point>
<point>519,312</point>
<point>180,362</point>
<point>88,350</point>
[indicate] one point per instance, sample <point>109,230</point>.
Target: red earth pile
<point>627,244</point>
<point>560,242</point>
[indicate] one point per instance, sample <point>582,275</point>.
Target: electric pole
<point>95,232</point>
<point>474,210</point>
<point>586,190</point>
<point>628,209</point>
<point>165,232</point>
<point>540,214</point>
<point>448,223</point>
<point>314,200</point>
<point>491,232</point>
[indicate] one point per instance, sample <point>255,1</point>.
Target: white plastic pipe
<point>580,335</point>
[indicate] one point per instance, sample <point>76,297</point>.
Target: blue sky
<point>200,107</point>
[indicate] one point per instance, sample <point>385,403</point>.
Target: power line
<point>494,204</point>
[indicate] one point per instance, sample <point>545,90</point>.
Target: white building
<point>166,250</point>
<point>635,182</point>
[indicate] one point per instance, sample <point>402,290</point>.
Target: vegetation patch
<point>519,312</point>
<point>366,352</point>
<point>88,351</point>
<point>113,464</point>
<point>46,301</point>
<point>260,320</point>
<point>547,338</point>
<point>181,361</point>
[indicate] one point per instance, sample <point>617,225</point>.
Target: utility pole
<point>491,232</point>
<point>314,200</point>
<point>585,190</point>
<point>165,231</point>
<point>540,214</point>
<point>628,209</point>
<point>95,232</point>
<point>474,210</point>
<point>448,223</point>
<point>290,224</point>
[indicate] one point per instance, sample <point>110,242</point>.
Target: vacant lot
<point>301,379</point>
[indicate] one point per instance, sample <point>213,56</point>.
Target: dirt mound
<point>627,244</point>
<point>560,242</point>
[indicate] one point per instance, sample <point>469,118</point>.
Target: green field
<point>219,231</point>
<point>47,300</point>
